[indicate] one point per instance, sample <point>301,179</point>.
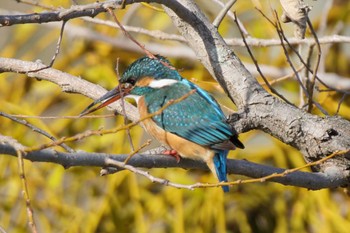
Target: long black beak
<point>108,98</point>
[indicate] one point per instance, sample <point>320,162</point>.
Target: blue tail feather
<point>220,167</point>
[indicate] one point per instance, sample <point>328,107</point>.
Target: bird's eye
<point>132,81</point>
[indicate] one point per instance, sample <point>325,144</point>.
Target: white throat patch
<point>162,83</point>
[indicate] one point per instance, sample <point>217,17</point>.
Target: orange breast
<point>185,148</point>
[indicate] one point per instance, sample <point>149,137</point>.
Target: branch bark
<point>67,82</point>
<point>296,11</point>
<point>75,11</point>
<point>316,137</point>
<point>307,180</point>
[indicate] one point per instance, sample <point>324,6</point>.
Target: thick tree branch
<point>67,82</point>
<point>307,180</point>
<point>75,11</point>
<point>314,136</point>
<point>236,42</point>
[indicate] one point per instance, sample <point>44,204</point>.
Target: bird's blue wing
<point>205,95</point>
<point>198,119</point>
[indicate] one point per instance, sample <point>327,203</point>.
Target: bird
<point>194,128</point>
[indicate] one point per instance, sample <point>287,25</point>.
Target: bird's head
<point>141,77</point>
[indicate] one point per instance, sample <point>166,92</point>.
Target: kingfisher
<point>193,128</point>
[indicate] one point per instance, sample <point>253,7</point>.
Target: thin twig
<point>232,17</point>
<point>280,34</point>
<point>128,35</point>
<point>21,18</point>
<point>111,162</point>
<point>282,37</point>
<point>160,35</point>
<point>340,102</point>
<point>306,79</point>
<point>223,13</point>
<point>123,107</point>
<point>58,46</point>
<point>309,180</point>
<point>147,52</point>
<point>308,61</point>
<point>272,176</point>
<point>92,10</point>
<point>258,68</point>
<point>288,76</point>
<point>298,55</point>
<point>35,129</point>
<point>313,78</point>
<point>137,151</point>
<point>30,212</point>
<point>107,170</point>
<point>107,131</point>
<point>61,117</point>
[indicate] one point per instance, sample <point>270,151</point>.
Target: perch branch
<point>307,180</point>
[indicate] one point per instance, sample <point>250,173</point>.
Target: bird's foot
<point>172,153</point>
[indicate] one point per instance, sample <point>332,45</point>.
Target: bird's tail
<point>219,160</point>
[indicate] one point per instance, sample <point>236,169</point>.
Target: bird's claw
<point>172,153</point>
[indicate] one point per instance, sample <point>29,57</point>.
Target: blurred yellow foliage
<point>79,200</point>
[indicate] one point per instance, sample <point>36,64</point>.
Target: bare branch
<point>148,53</point>
<point>232,17</point>
<point>307,180</point>
<point>111,162</point>
<point>314,136</point>
<point>122,100</point>
<point>317,63</point>
<point>223,13</point>
<point>30,212</point>
<point>67,82</point>
<point>108,131</point>
<point>236,42</point>
<point>35,129</point>
<point>273,90</point>
<point>282,37</point>
<point>75,11</point>
<point>257,42</point>
<point>58,46</point>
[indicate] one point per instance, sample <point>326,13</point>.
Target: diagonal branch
<point>67,82</point>
<point>35,129</point>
